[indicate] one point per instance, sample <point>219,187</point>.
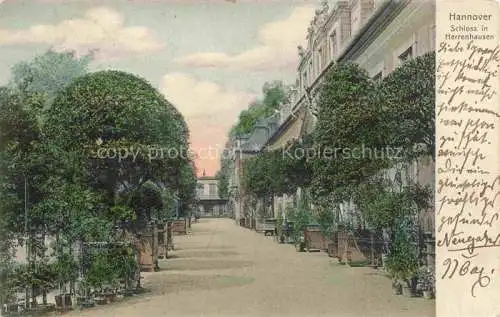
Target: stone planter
<point>110,297</point>
<point>332,250</point>
<point>408,291</point>
<point>427,294</point>
<point>282,239</point>
<point>101,300</point>
<point>397,289</point>
<point>300,247</point>
<point>63,301</point>
<point>384,261</point>
<point>11,308</point>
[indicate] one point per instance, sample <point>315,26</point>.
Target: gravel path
<point>224,270</point>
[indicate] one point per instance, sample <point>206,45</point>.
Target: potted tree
<point>66,270</point>
<point>300,217</point>
<point>280,235</point>
<point>396,287</point>
<point>100,273</point>
<point>426,282</point>
<point>402,261</point>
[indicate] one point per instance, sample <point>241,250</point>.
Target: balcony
<point>208,197</point>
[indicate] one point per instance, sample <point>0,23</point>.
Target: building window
<point>333,44</point>
<point>406,55</point>
<point>355,16</point>
<point>212,189</point>
<point>378,76</point>
<point>433,38</point>
<point>324,56</point>
<point>200,190</point>
<point>320,61</point>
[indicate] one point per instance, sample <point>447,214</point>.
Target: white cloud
<point>194,97</point>
<point>277,49</point>
<point>101,29</point>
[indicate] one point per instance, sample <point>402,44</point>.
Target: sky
<point>209,58</point>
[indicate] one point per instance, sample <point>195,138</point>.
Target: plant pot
<point>300,247</point>
<point>101,300</point>
<point>282,239</point>
<point>427,294</point>
<point>384,261</point>
<point>407,291</point>
<point>63,301</point>
<point>59,302</point>
<point>397,289</point>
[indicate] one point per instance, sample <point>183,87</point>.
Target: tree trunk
<point>44,289</point>
<point>28,260</point>
<point>71,283</point>
<point>272,206</point>
<point>44,296</point>
<point>33,270</point>
<point>155,245</point>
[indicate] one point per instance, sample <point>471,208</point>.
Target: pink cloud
<point>210,110</point>
<point>208,137</point>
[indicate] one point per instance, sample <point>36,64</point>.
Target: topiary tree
<point>408,110</point>
<point>274,94</point>
<point>402,261</point>
<point>119,111</point>
<point>347,125</point>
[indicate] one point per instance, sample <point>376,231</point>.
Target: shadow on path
<point>173,283</point>
<point>195,265</point>
<point>201,254</point>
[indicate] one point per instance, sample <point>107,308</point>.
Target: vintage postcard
<point>249,158</point>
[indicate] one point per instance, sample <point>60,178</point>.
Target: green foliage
<point>70,210</point>
<point>274,94</point>
<point>145,200</point>
<point>326,220</point>
<point>114,105</point>
<point>279,222</point>
<point>382,206</point>
<point>223,182</point>
<point>109,264</point>
<point>71,193</point>
<point>356,113</point>
<point>167,211</point>
<point>248,118</point>
<point>407,97</point>
<point>65,267</point>
<point>101,271</point>
<point>347,123</point>
<point>257,178</point>
<point>124,112</point>
<point>402,261</point>
<point>49,73</point>
<point>426,278</point>
<point>278,172</point>
<point>295,165</point>
<point>186,188</point>
<point>124,261</point>
<point>301,216</point>
<point>37,277</point>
